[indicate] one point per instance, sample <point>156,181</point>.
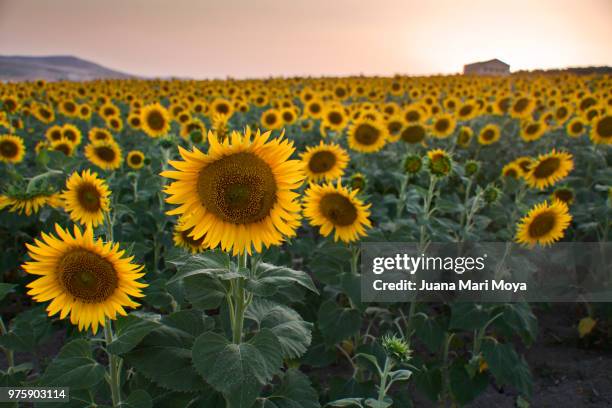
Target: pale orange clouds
<point>255,38</point>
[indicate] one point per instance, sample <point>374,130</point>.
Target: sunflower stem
<point>8,352</point>
<point>239,302</point>
<point>113,366</point>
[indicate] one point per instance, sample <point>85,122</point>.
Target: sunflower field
<point>179,243</point>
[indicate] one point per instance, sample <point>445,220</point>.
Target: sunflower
<point>512,170</point>
<point>367,136</point>
<point>238,195</point>
<point>439,162</point>
<point>413,133</point>
<point>193,129</point>
<point>115,123</point>
<point>549,168</point>
<point>465,136</point>
<point>86,198</point>
<point>222,107</point>
<point>467,111</point>
<point>271,119</point>
<point>395,124</point>
<point>134,120</point>
<point>525,162</point>
<point>575,127</point>
<point>54,133</point>
<point>489,134</point>
<point>87,278</point>
<point>601,131</point>
<point>105,154</point>
<point>544,224</point>
<point>182,239</point>
<point>135,159</point>
<point>155,120</point>
<point>335,118</point>
<point>72,133</point>
<point>63,145</point>
<point>326,161</point>
<point>43,113</point>
<point>288,115</point>
<point>532,130</point>
<point>12,149</point>
<point>358,181</point>
<point>97,134</point>
<point>522,107</point>
<point>29,203</point>
<point>314,109</point>
<point>335,208</point>
<point>564,194</point>
<point>443,126</point>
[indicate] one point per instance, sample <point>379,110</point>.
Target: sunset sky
<point>255,38</point>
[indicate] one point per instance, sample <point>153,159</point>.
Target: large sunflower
<point>86,198</point>
<point>239,194</point>
<point>12,149</point>
<point>87,278</point>
<point>324,161</point>
<point>335,208</point>
<point>29,203</point>
<point>155,120</point>
<point>544,224</point>
<point>106,154</point>
<point>367,136</point>
<point>601,131</point>
<point>548,169</point>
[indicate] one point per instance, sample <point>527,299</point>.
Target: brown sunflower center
<point>577,127</point>
<point>521,105</point>
<point>546,167</point>
<point>56,135</point>
<point>413,134</point>
<point>442,125</point>
<point>270,119</point>
<point>604,127</point>
<point>8,149</point>
<point>488,134</point>
<point>136,159</point>
<point>465,110</point>
<point>511,173</point>
<point>565,195</point>
<point>338,209</point>
<point>70,135</point>
<point>239,189</point>
<point>105,153</point>
<point>87,276</point>
<point>335,118</point>
<point>89,197</point>
<point>322,161</point>
<point>412,116</point>
<point>366,134</point>
<point>287,116</point>
<point>542,224</point>
<point>394,127</point>
<point>222,108</point>
<point>64,148</point>
<point>155,120</point>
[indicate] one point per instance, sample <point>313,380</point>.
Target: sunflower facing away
<point>105,154</point>
<point>367,136</point>
<point>239,194</point>
<point>87,278</point>
<point>324,161</point>
<point>155,120</point>
<point>86,198</point>
<point>544,224</point>
<point>29,203</point>
<point>335,208</point>
<point>548,169</point>
<point>12,149</point>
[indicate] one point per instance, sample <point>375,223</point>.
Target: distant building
<point>491,67</point>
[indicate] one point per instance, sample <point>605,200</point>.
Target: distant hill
<point>54,68</point>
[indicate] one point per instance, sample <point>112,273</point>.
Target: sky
<point>262,38</point>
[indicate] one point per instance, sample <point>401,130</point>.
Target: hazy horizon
<point>240,39</point>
